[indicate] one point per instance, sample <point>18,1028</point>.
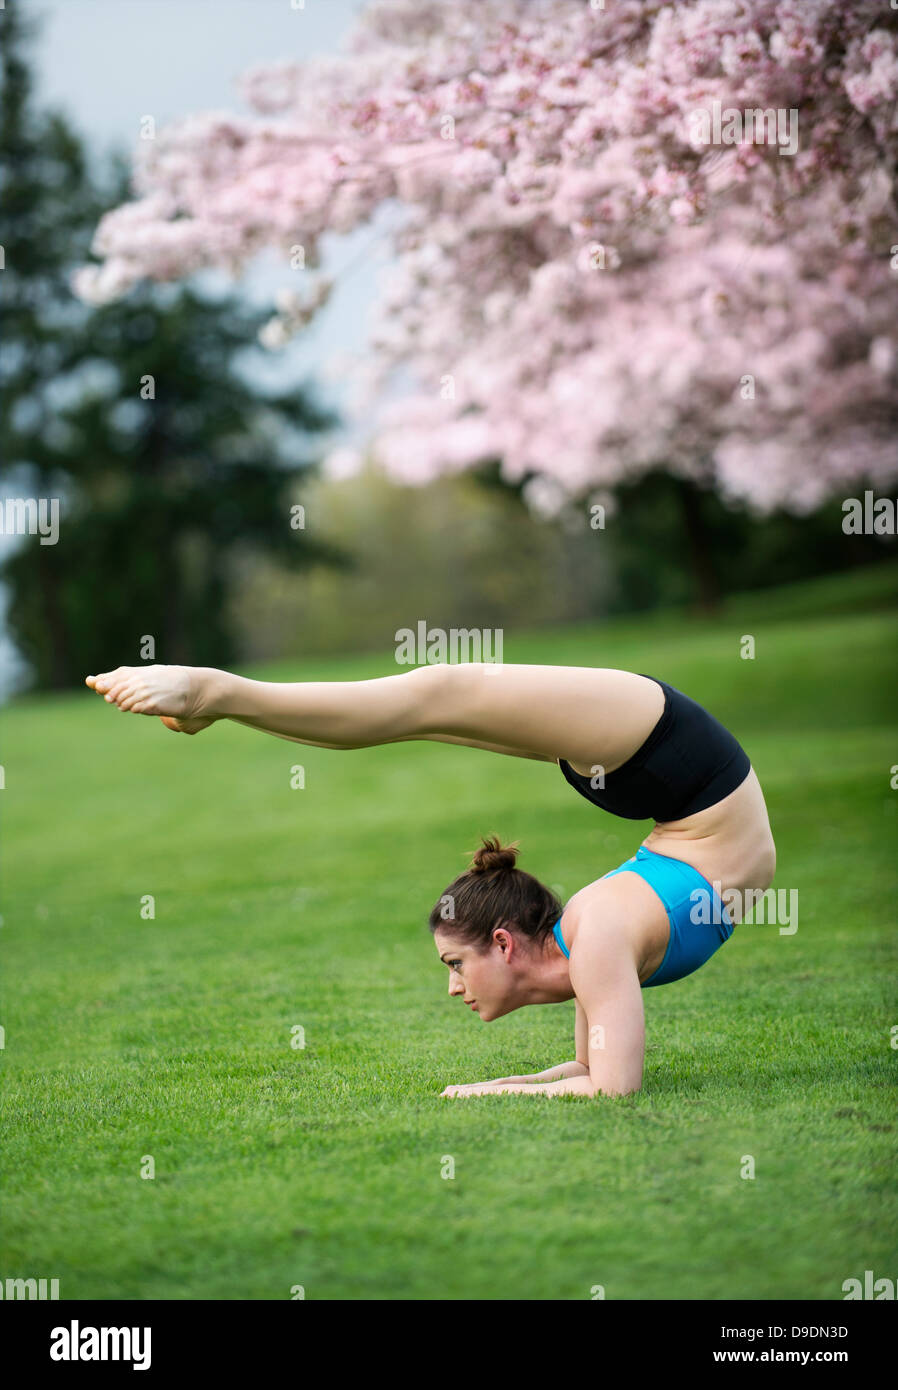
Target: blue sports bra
<point>694,934</point>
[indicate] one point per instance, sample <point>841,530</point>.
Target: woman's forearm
<point>563,1071</point>
<point>564,1086</point>
<point>579,1085</point>
<point>559,1073</point>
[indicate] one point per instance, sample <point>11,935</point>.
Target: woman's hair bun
<point>492,857</point>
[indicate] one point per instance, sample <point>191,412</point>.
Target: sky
<point>109,62</point>
<point>106,63</point>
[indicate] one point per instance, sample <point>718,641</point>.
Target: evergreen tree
<point>168,467</point>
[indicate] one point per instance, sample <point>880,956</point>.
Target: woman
<point>630,743</point>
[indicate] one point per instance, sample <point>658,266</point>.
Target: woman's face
<point>481,978</point>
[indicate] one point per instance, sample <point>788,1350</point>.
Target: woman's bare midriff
<point>730,843</point>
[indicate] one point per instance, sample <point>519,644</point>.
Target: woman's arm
<point>606,982</point>
<point>558,1073</point>
<point>581,1036</point>
<point>566,1069</point>
<point>535,1080</point>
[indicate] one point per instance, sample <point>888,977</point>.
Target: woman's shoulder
<point>622,905</point>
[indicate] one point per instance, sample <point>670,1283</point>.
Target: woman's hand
<point>477,1088</point>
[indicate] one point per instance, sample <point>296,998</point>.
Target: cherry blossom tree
<point>632,235</point>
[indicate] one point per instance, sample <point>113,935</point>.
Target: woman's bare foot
<point>186,726</point>
<point>175,693</point>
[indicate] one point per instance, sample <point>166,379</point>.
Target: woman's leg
<point>363,711</point>
<point>588,716</point>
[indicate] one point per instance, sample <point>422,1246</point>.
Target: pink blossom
<point>606,293</point>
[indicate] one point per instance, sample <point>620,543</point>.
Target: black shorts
<point>688,762</point>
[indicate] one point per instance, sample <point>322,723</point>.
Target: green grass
<point>275,907</point>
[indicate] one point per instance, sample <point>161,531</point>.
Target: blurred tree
<point>467,551</point>
<point>455,553</point>
<point>619,252</point>
<point>166,463</point>
<point>732,548</point>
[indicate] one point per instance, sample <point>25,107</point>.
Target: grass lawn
<point>322,1166</point>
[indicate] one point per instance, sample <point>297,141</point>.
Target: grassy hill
<point>130,1038</point>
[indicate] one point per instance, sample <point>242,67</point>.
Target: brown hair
<point>492,893</point>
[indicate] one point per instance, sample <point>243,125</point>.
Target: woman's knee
<point>433,698</point>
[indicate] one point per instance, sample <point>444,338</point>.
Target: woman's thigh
<point>591,716</point>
